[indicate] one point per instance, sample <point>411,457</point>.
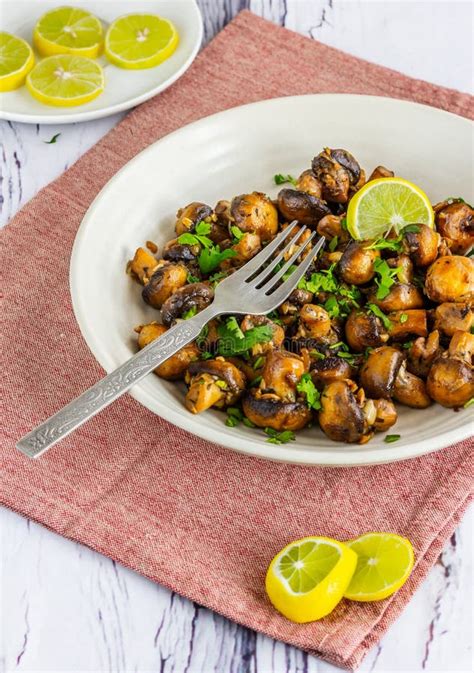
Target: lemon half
<point>66,80</point>
<point>308,578</point>
<point>139,41</point>
<point>16,61</point>
<point>68,30</point>
<point>384,204</point>
<point>384,563</point>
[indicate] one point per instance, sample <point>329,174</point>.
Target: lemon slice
<point>139,41</point>
<point>65,80</point>
<point>68,30</point>
<point>387,203</point>
<point>16,61</point>
<point>384,564</point>
<point>308,578</point>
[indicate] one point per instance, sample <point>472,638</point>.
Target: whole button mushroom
<point>455,223</point>
<point>451,378</point>
<point>296,205</point>
<point>255,212</point>
<point>195,295</point>
<point>213,383</point>
<point>450,278</point>
<point>174,367</point>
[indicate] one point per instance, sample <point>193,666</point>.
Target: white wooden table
<point>65,608</point>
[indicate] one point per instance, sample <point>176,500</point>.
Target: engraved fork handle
<point>115,384</point>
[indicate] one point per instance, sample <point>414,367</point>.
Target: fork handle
<point>105,391</point>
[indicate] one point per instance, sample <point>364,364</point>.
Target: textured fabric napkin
<point>198,518</point>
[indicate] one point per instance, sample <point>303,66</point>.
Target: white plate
<point>234,152</point>
<point>123,88</point>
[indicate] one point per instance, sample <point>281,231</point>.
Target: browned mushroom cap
<point>197,295</point>
<point>213,383</point>
<point>278,333</point>
<point>363,330</point>
<point>332,368</point>
<point>281,373</point>
<point>451,378</point>
<point>167,279</point>
<point>301,206</point>
<point>315,323</point>
<point>337,171</point>
<point>401,296</point>
<point>410,390</point>
<point>142,265</point>
<point>405,324</point>
<point>341,416</point>
<point>307,182</point>
<point>379,372</point>
<point>246,248</point>
<point>356,265</point>
<point>330,226</point>
<point>255,212</point>
<point>177,252</point>
<point>454,316</point>
<point>266,410</point>
<point>450,278</point>
<point>190,215</point>
<point>386,415</point>
<point>175,367</point>
<point>421,245</point>
<point>423,353</point>
<point>455,222</point>
<point>295,301</point>
<point>380,172</point>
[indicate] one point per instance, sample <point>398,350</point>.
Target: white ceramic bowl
<point>235,152</point>
<point>123,88</point>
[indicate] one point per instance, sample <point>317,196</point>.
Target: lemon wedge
<point>307,579</point>
<point>139,41</point>
<point>16,61</point>
<point>68,30</point>
<point>387,203</point>
<point>66,80</point>
<point>384,563</point>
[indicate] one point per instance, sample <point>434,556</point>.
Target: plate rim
<point>286,454</point>
<point>118,107</point>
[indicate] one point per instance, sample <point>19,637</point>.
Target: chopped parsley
<point>385,277</point>
<point>323,281</point>
<point>403,318</point>
<point>53,139</point>
<point>317,355</point>
<point>192,279</point>
<point>388,439</point>
<point>275,437</point>
<point>234,417</point>
<point>258,362</point>
<point>190,314</point>
<point>236,232</point>
<point>395,244</point>
<point>246,421</point>
<point>306,386</point>
<point>233,341</point>
<point>280,179</point>
<point>210,258</point>
<point>255,382</point>
<point>344,224</point>
<point>408,344</point>
<point>333,243</point>
<point>211,255</point>
<point>469,403</point>
<point>373,308</point>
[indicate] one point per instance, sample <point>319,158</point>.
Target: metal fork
<point>253,289</point>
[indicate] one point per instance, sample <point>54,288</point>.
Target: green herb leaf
<point>344,224</point>
<point>391,438</point>
<point>53,140</point>
<point>236,232</point>
<point>333,243</point>
<point>469,403</point>
<point>323,281</point>
<point>206,355</point>
<point>386,244</point>
<point>317,355</point>
<point>190,314</point>
<point>212,256</point>
<point>411,229</point>
<point>281,179</point>
<point>255,382</point>
<point>192,279</point>
<point>202,228</point>
<point>387,323</point>
<point>258,362</point>
<point>246,421</point>
<point>232,341</point>
<point>275,437</point>
<point>403,318</point>
<point>408,344</point>
<point>386,277</point>
<point>306,386</point>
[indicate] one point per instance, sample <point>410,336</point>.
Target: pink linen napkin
<point>193,516</point>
